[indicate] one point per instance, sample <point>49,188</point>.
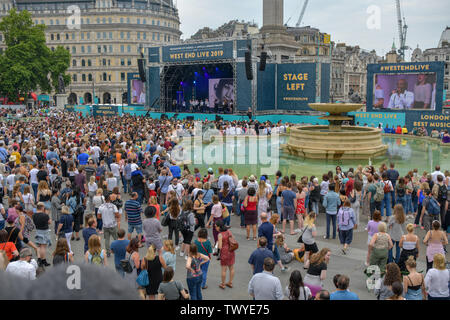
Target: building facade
<point>441,53</point>
<point>104,38</point>
<point>231,29</point>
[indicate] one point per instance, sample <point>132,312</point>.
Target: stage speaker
<point>248,65</point>
<point>262,64</point>
<point>141,69</point>
<point>190,118</point>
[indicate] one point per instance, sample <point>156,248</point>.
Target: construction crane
<point>302,13</point>
<point>402,30</point>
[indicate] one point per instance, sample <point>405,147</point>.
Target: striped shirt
<point>133,210</point>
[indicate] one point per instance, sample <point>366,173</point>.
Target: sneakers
<point>185,257</point>
<point>182,254</point>
<point>284,269</point>
<point>325,237</point>
<point>177,248</point>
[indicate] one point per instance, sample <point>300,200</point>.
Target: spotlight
<point>204,68</point>
<point>217,69</point>
<point>195,82</point>
<point>196,73</point>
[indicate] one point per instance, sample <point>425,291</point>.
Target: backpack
<point>183,222</point>
<point>126,265</point>
<point>400,192</point>
<point>432,206</point>
<point>345,218</point>
<point>387,187</point>
<point>379,194</point>
<point>442,193</point>
<point>56,185</point>
<point>97,259</point>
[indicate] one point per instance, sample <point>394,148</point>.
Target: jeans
<point>108,233</point>
<point>393,197</point>
<point>204,269</point>
<point>172,229</point>
<point>227,220</point>
<point>195,289</point>
<point>397,252</point>
<point>140,193</point>
<point>99,221</point>
<point>414,201</point>
<point>402,201</point>
<point>120,271</point>
<point>35,189</point>
<point>279,208</point>
<point>386,204</point>
<point>241,214</point>
<point>315,207</point>
<point>331,218</point>
<point>409,207</point>
<point>419,212</point>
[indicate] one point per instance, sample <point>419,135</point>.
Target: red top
<point>251,205</point>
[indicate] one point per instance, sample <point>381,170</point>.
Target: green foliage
<point>28,64</point>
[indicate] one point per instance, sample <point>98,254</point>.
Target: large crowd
<point>66,178</point>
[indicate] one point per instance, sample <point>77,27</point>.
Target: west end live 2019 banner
<point>296,86</point>
<point>201,51</point>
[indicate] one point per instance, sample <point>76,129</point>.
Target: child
<point>286,254</point>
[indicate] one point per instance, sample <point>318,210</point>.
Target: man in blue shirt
<point>3,153</point>
<point>266,229</point>
<point>331,202</point>
<point>51,154</point>
<point>88,232</point>
<point>119,249</point>
<point>83,158</point>
<point>176,171</point>
<point>164,182</point>
<point>289,205</point>
<point>225,177</point>
<point>257,257</point>
<point>342,292</point>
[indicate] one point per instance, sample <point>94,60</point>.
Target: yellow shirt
<point>15,153</point>
<point>404,130</point>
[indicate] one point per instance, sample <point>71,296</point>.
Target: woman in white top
<point>437,278</point>
<point>98,200</point>
<point>92,189</point>
<point>28,199</point>
<point>111,182</point>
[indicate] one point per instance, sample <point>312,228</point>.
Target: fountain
<point>335,141</point>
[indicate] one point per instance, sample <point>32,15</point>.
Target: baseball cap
<point>210,170</point>
<point>263,178</point>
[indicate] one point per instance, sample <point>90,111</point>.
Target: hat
<point>210,170</point>
<point>263,178</point>
<point>152,186</point>
<point>252,178</point>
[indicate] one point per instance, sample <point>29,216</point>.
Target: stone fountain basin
<point>335,108</point>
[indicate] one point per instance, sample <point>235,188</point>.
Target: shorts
<point>288,213</point>
<point>346,236</point>
<point>138,228</point>
<point>187,237</point>
<point>43,237</point>
<point>311,248</point>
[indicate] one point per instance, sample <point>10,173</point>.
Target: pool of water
<point>248,156</point>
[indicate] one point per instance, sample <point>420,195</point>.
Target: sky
<point>345,20</point>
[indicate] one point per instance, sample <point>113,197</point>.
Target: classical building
<point>311,44</point>
<point>441,53</point>
<point>231,29</point>
<point>106,43</point>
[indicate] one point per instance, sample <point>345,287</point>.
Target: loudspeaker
<point>190,118</point>
<point>248,65</point>
<point>262,65</point>
<point>141,69</point>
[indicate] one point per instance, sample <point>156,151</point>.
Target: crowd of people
<point>443,135</point>
<point>203,106</point>
<point>67,178</point>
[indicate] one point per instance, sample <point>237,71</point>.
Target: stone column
<point>272,13</point>
<point>61,100</point>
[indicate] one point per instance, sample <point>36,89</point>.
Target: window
<point>122,76</point>
<point>157,22</point>
<point>99,49</point>
<point>165,24</point>
<point>42,22</point>
<point>74,63</point>
<point>74,49</point>
<point>52,37</point>
<point>121,20</point>
<point>110,48</point>
<point>82,36</point>
<point>128,35</point>
<point>129,62</point>
<point>104,62</point>
<point>89,77</point>
<point>122,47</point>
<point>105,49</point>
<point>89,63</point>
<point>110,35</point>
<point>58,37</point>
<point>51,22</point>
<point>144,21</point>
<point>128,20</point>
<point>104,76</point>
<point>82,49</point>
<point>104,35</point>
<point>67,36</point>
<point>446,86</point>
<point>57,22</point>
<point>109,20</point>
<point>99,35</point>
<point>153,22</point>
<point>88,35</point>
<point>109,62</point>
<point>83,63</point>
<point>139,35</point>
<point>74,78</point>
<point>165,38</point>
<point>82,21</point>
<point>168,38</point>
<point>73,36</point>
<point>447,58</point>
<point>138,21</point>
<point>88,21</point>
<point>128,48</point>
<point>98,20</point>
<point>109,77</point>
<point>122,62</point>
<point>435,58</point>
<point>153,37</point>
<point>158,36</point>
<point>89,49</point>
<point>144,36</point>
<point>83,77</point>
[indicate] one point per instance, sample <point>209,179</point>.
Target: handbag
<point>165,220</point>
<point>234,245</point>
<point>142,279</point>
<point>300,239</point>
<point>225,213</point>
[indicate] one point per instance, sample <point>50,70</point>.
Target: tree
<point>28,64</point>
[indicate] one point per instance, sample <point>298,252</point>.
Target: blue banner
<point>243,88</point>
<point>375,118</point>
<point>101,111</point>
<point>153,54</point>
<point>153,87</point>
<point>241,47</point>
<point>266,87</point>
<point>198,52</point>
<point>296,86</point>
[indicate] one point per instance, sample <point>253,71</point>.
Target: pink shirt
<point>216,210</point>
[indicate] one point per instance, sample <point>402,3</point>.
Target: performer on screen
<point>401,98</point>
<point>422,93</point>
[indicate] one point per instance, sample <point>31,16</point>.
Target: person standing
<point>331,202</point>
<point>89,231</point>
<point>379,247</point>
<point>392,175</point>
<point>440,194</point>
<point>414,282</point>
<point>110,216</point>
<point>346,223</point>
<point>42,222</point>
<point>153,263</point>
<point>258,256</point>
<point>410,247</point>
<point>152,229</point>
<point>194,272</point>
<point>267,230</point>
<point>435,240</point>
<point>204,247</point>
<point>65,225</point>
<point>264,285</point>
<point>289,204</point>
<point>227,257</point>
<point>396,228</point>
<point>133,213</point>
<point>119,249</point>
<point>386,204</point>
<point>437,279</point>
